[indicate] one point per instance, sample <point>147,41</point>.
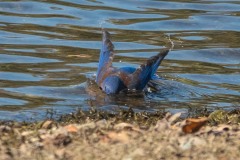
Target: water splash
<point>102,22</point>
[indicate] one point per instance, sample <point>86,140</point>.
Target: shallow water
<point>49,54</point>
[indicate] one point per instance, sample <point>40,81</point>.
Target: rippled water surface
<point>49,54</point>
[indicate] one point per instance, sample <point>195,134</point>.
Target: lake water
<point>49,54</point>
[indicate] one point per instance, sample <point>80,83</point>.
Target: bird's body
<point>115,80</point>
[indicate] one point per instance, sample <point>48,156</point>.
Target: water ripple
<point>49,54</point>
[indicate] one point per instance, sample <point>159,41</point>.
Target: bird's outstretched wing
<point>106,57</point>
<point>146,71</point>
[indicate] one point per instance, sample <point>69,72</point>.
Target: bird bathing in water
<point>113,80</point>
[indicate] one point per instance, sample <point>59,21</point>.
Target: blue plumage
<point>115,80</point>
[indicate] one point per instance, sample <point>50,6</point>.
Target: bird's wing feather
<point>146,71</point>
<point>106,57</point>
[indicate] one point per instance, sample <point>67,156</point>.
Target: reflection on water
<point>49,54</point>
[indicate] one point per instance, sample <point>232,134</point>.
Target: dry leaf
<point>47,124</point>
<point>71,128</point>
<point>118,137</point>
<point>123,125</point>
<point>62,140</point>
<point>174,117</point>
<point>194,124</point>
<point>223,127</point>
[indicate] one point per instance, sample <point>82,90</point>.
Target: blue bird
<point>113,80</point>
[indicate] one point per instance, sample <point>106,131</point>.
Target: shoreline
<point>127,135</point>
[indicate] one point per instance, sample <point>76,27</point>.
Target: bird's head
<point>112,85</point>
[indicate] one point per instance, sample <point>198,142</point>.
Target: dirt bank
<point>134,136</point>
